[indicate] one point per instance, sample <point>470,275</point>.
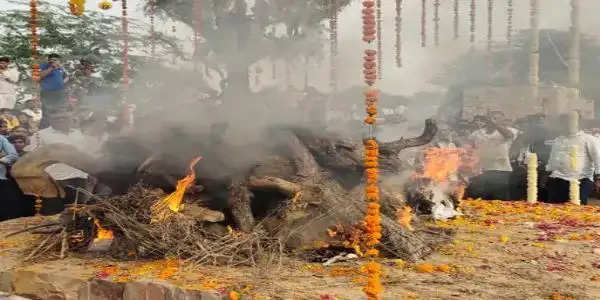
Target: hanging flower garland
<point>125,50</point>
<point>372,221</point>
<point>472,14</point>
<point>490,21</point>
<point>152,33</point>
<point>105,5</point>
<point>436,20</point>
<point>399,33</point>
<point>33,25</point>
<point>333,45</point>
<point>455,19</point>
<point>379,42</point>
<point>77,7</point>
<point>197,27</point>
<point>509,22</point>
<point>423,23</point>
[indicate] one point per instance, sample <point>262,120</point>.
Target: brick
<point>98,289</point>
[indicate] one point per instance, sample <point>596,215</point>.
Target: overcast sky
<point>420,64</point>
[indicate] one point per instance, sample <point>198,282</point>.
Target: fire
<point>441,163</point>
<point>173,200</point>
<point>101,233</point>
<point>404,216</point>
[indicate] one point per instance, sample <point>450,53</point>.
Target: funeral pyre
<point>303,198</point>
<point>440,180</point>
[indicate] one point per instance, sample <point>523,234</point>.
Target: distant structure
<point>521,100</point>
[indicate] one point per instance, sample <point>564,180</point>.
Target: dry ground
<point>502,250</point>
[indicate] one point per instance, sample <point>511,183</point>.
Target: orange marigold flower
<point>372,252</point>
<point>371,92</point>
<point>371,164</point>
<point>372,153</point>
<point>444,268</point>
<point>372,197</point>
<point>372,189</point>
<point>233,295</point>
<point>373,205</point>
<point>372,110</point>
<point>370,120</point>
<point>425,268</point>
<point>371,159</point>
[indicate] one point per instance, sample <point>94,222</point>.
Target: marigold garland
<point>509,22</point>
<point>152,34</point>
<point>423,23</point>
<point>105,5</point>
<point>333,45</point>
<point>456,19</point>
<point>490,22</point>
<point>197,30</point>
<point>125,50</point>
<point>399,33</point>
<point>33,24</point>
<point>77,7</point>
<point>379,42</point>
<point>472,15</point>
<point>371,225</point>
<point>368,15</point>
<point>436,20</point>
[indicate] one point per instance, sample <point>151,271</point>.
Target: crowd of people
<point>57,115</point>
<point>502,147</point>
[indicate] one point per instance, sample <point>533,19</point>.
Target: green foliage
<point>238,34</point>
<point>94,36</point>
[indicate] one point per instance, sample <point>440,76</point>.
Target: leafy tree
<point>93,35</point>
<point>238,35</point>
<point>510,65</point>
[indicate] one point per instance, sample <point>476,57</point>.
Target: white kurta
<point>8,88</point>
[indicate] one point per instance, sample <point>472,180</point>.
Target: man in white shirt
<point>59,132</point>
<point>562,171</point>
<point>492,142</point>
<point>9,76</point>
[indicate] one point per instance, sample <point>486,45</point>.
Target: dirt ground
<point>502,250</point>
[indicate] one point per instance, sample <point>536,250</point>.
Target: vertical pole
<point>534,56</point>
<point>575,49</point>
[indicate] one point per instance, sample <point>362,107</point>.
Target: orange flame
<point>174,199</point>
<point>441,163</point>
<point>404,216</point>
<point>172,203</point>
<point>101,233</point>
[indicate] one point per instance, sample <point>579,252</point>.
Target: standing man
<point>9,193</point>
<point>52,94</point>
<point>9,76</point>
<point>492,143</point>
<point>563,169</point>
